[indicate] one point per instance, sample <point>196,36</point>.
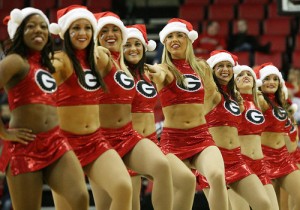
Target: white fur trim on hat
<point>239,68</point>
<point>115,21</point>
<point>177,27</point>
<point>135,33</point>
<point>17,16</point>
<point>222,56</point>
<point>67,19</point>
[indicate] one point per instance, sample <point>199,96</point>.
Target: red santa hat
<point>17,16</point>
<point>178,25</point>
<point>68,15</point>
<point>217,56</point>
<point>105,18</point>
<point>139,31</point>
<point>267,69</point>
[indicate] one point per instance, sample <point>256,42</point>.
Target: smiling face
<point>224,72</point>
<point>270,83</point>
<point>244,82</point>
<point>176,45</point>
<point>110,37</point>
<point>36,33</point>
<point>133,50</point>
<point>81,33</point>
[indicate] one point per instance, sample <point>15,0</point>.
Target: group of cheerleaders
<point>89,110</point>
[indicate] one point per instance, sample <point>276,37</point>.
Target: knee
<point>186,180</point>
<point>124,186</point>
<point>162,166</point>
<point>81,197</point>
<point>216,178</point>
<point>264,203</point>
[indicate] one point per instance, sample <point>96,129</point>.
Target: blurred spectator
<point>210,40</point>
<point>293,85</point>
<point>242,41</point>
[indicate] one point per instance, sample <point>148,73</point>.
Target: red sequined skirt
<point>87,147</point>
<point>122,139</point>
<point>43,151</point>
<point>185,143</point>
<point>259,167</point>
<point>279,162</point>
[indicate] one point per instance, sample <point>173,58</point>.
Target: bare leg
<point>109,173</point>
<point>237,202</point>
<point>136,187</point>
<point>272,196</point>
<point>210,163</point>
<point>252,190</point>
<point>65,177</point>
<point>25,190</point>
<point>184,184</point>
<point>147,159</point>
<point>291,183</point>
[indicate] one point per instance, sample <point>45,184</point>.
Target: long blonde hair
<point>190,58</point>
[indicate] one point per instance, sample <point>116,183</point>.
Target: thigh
<point>145,157</point>
<point>209,161</point>
<point>272,196</point>
<point>65,176</point>
<point>291,183</point>
<point>249,188</point>
<point>25,190</point>
<point>107,171</point>
<point>180,171</point>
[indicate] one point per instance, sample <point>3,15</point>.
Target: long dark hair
<point>68,48</point>
<point>137,70</point>
<point>231,88</point>
<point>19,47</point>
<point>279,99</point>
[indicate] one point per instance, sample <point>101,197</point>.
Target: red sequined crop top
<point>145,98</point>
<point>174,93</point>
<point>275,121</point>
<point>38,86</point>
<point>121,88</point>
<point>224,114</point>
<point>252,118</point>
<point>72,92</point>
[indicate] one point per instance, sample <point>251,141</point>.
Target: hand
<point>20,135</point>
<point>155,73</point>
<point>99,50</point>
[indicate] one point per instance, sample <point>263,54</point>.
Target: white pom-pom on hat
<point>17,16</point>
<point>138,31</point>
<point>151,45</point>
<point>178,25</point>
<point>54,28</point>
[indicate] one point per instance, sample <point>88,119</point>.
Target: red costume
<point>227,113</point>
<point>252,123</point>
<point>280,162</point>
<point>71,93</point>
<point>38,87</point>
<point>121,90</point>
<point>184,143</point>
